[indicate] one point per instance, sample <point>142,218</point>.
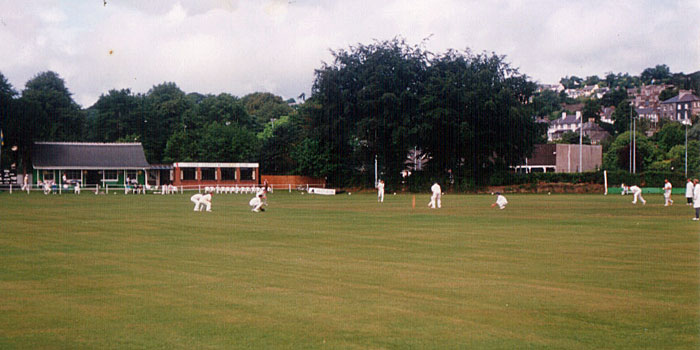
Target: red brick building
<point>213,174</point>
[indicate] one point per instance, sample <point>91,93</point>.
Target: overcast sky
<point>243,46</point>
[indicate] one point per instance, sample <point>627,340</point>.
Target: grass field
<point>343,272</point>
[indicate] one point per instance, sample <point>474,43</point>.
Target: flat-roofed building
<point>213,174</point>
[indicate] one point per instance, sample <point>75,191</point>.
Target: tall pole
<point>686,147</point>
<point>634,140</point>
<point>634,146</point>
<point>375,170</point>
<point>580,144</point>
<point>630,144</point>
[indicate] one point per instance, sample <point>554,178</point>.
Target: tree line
<point>465,115</point>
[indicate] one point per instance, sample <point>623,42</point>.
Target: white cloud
<point>236,46</point>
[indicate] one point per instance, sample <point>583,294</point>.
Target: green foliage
<point>671,134</point>
<point>591,109</point>
<point>167,110</point>
<point>386,98</point>
<point>223,108</point>
<point>277,143</point>
<point>264,106</point>
<point>213,142</point>
<point>617,156</point>
<point>10,122</point>
<point>572,82</point>
<point>676,157</point>
<point>571,137</point>
<point>269,128</point>
<point>660,74</point>
<point>312,159</point>
<point>668,93</point>
<point>622,114</point>
<point>545,103</point>
<point>592,80</point>
<point>653,178</point>
<point>119,113</point>
<point>53,113</point>
<point>614,97</point>
<point>621,81</point>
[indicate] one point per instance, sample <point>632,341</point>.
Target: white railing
<point>147,189</point>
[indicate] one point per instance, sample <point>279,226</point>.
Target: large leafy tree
<point>278,140</point>
<point>369,100</point>
<point>618,155</point>
<point>264,106</point>
<point>474,121</point>
<point>591,109</point>
<point>671,134</point>
<point>381,100</point>
<point>50,106</point>
<point>224,108</point>
<point>622,114</point>
<point>660,74</point>
<point>546,103</point>
<point>118,114</point>
<point>10,121</point>
<point>613,97</point>
<point>213,142</point>
<point>572,82</point>
<point>167,110</point>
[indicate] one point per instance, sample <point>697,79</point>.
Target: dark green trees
<point>380,100</point>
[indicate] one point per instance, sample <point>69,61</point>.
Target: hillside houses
<point>682,106</point>
<point>572,123</point>
<point>567,122</point>
<point>645,100</point>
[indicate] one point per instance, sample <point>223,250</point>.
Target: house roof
<point>567,119</point>
<point>80,155</point>
<point>588,126</point>
<point>644,110</point>
<point>682,98</point>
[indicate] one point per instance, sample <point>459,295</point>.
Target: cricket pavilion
<point>111,164</point>
<point>89,164</point>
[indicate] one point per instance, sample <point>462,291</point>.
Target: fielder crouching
<point>257,202</point>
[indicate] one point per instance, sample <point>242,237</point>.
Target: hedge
<point>615,178</point>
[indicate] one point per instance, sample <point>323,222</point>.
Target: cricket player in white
<point>25,183</point>
<point>501,201</point>
<point>257,202</point>
<point>205,201</point>
<point>436,198</point>
<point>637,192</point>
<point>196,200</point>
<point>689,192</point>
<point>668,188</point>
<point>380,191</point>
<point>696,199</point>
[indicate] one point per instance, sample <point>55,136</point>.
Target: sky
<point>245,46</point>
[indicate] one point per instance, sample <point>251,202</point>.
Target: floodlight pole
<point>686,146</point>
<point>630,145</point>
<point>634,141</point>
<point>375,171</point>
<point>580,144</point>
